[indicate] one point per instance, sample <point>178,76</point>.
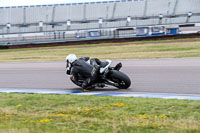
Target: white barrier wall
<point>37,14</point>
<point>96,11</point>
<point>185,6</point>
<point>156,7</point>
<point>87,15</point>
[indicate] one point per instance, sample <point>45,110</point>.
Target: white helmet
<point>71,58</point>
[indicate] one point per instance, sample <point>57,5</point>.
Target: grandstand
<point>78,17</point>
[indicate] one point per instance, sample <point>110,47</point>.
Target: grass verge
<point>151,49</point>
<point>42,113</point>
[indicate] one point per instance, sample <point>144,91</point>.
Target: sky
<point>4,3</point>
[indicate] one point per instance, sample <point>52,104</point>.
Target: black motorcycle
<point>111,76</point>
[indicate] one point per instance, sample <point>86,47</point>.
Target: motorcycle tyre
<point>117,76</point>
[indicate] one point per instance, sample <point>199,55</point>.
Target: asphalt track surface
<point>179,75</point>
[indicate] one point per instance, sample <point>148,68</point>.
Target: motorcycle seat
<point>104,64</point>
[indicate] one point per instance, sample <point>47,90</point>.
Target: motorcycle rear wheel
<point>121,79</point>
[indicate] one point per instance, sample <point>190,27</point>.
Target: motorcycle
<point>111,76</point>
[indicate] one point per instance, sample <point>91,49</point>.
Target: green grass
<point>131,50</point>
<point>42,113</point>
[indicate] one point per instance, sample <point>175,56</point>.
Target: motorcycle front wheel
<point>121,79</point>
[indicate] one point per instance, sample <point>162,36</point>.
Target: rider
<point>83,67</point>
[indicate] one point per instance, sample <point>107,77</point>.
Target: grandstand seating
<point>87,15</point>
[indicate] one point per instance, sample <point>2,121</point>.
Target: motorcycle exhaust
<point>118,66</point>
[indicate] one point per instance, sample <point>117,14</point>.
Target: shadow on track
<point>96,89</point>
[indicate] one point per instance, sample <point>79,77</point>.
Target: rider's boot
<point>101,85</point>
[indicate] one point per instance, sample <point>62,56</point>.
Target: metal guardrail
<point>84,35</point>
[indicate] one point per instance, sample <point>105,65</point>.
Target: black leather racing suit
<point>82,73</point>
